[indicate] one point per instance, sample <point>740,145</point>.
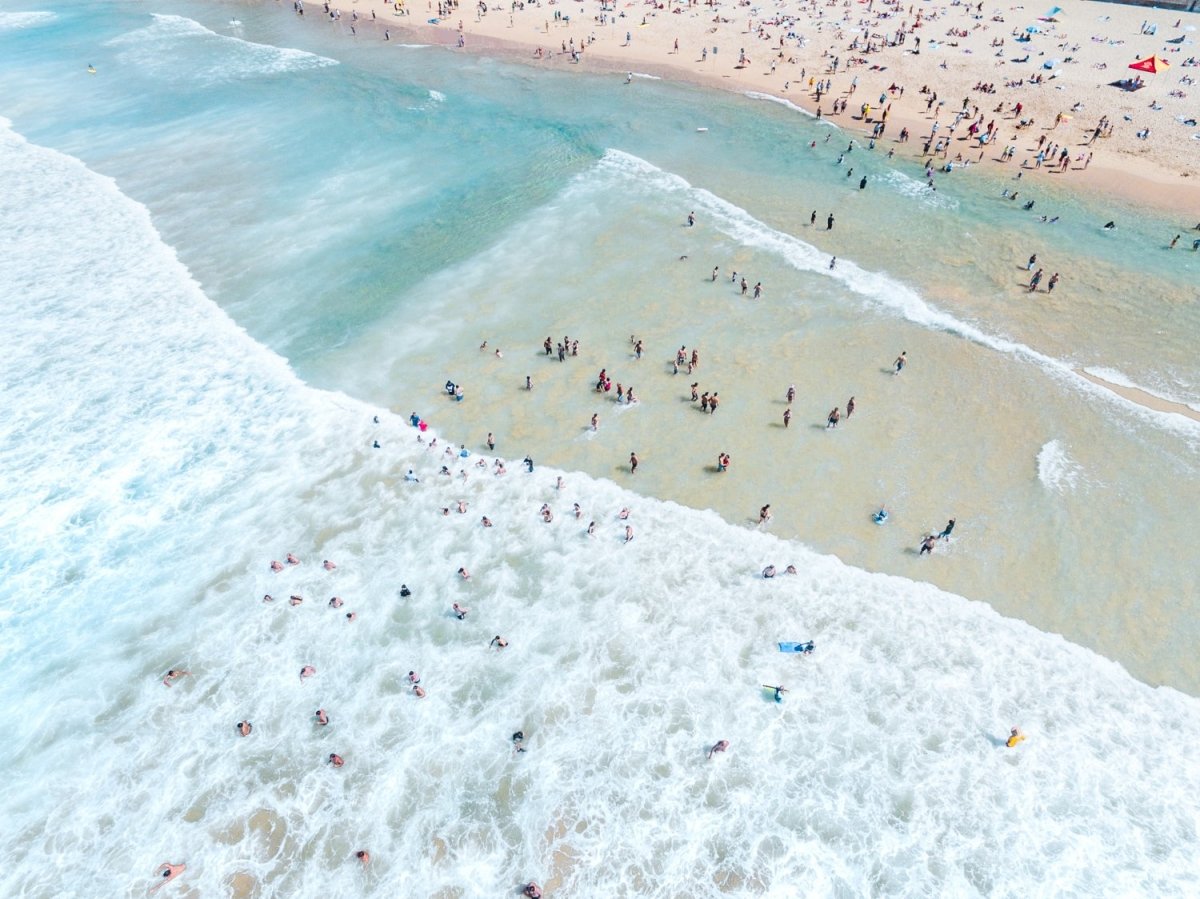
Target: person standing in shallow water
<point>633,463</point>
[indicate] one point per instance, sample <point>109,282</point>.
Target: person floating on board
<point>1014,737</point>
<point>778,691</point>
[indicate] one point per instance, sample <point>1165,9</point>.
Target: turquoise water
<point>294,241</point>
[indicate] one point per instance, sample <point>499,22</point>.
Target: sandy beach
<point>923,64</point>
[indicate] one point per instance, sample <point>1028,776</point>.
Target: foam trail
<point>1056,470</point>
<point>876,287</point>
<point>782,101</point>
<point>157,49</point>
<point>12,21</point>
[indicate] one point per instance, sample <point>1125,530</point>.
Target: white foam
<point>12,21</point>
<point>157,459</point>
<point>157,49</point>
<point>647,77</point>
<point>877,288</point>
<point>437,96</point>
<point>782,101</point>
<point>918,190</point>
<point>1055,469</point>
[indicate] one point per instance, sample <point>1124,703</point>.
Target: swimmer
<point>486,522</point>
<point>1014,737</point>
<point>498,642</point>
<point>628,533</point>
<point>404,591</point>
<point>518,740</point>
<point>464,574</point>
<point>560,483</point>
<point>276,565</point>
<point>1110,226</point>
<point>322,717</point>
<point>173,675</point>
<point>719,746</point>
<point>532,890</point>
<point>791,569</point>
<point>306,672</point>
<point>335,602</point>
<point>412,477</point>
<point>352,616</point>
<point>413,677</point>
<point>491,442</point>
<point>578,511</point>
<point>460,612</point>
<point>418,691</point>
<point>168,872</point>
<point>336,760</point>
<point>267,597</point>
<point>292,560</point>
<point>547,515</point>
<point>591,528</point>
<point>295,600</point>
<point>779,691</point>
<point>244,728</point>
<point>769,571</point>
<point>363,856</point>
<point>462,507</point>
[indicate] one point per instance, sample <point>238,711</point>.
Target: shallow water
<point>159,456</point>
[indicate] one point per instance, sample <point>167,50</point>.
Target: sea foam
<point>162,49</point>
<point>13,21</point>
<point>159,459</point>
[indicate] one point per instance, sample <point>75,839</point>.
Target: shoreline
<point>1163,177</point>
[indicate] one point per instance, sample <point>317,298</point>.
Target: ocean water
<point>226,254</point>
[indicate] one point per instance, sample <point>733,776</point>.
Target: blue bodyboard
<point>796,647</point>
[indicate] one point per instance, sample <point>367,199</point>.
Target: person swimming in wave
<point>168,872</point>
<point>768,572</point>
<point>719,746</point>
<point>1014,737</point>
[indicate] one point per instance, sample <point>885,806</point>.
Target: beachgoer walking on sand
<point>849,407</point>
<point>791,393</point>
<point>947,530</point>
<point>787,417</point>
<point>835,416</point>
<point>633,463</point>
<point>829,222</point>
<point>1035,281</point>
<point>1051,283</point>
<point>764,514</point>
<point>928,544</point>
<point>901,361</point>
